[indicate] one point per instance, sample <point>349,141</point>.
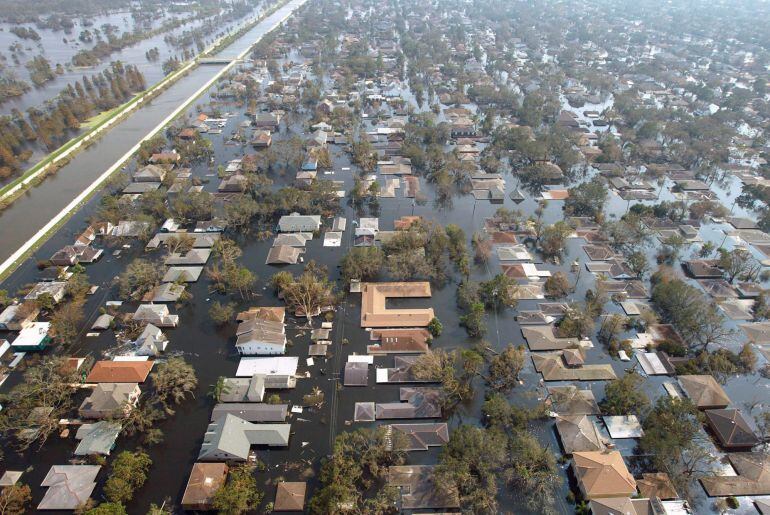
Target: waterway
<point>28,214</point>
<point>211,351</point>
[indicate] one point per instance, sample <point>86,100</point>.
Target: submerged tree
<point>240,492</point>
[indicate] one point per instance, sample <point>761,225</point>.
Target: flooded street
<point>27,215</point>
<point>449,134</point>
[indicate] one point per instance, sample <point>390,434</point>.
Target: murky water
<point>32,211</point>
<point>212,351</point>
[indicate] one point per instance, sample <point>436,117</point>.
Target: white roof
<point>651,364</point>
<point>32,335</point>
<point>270,366</point>
<point>356,358</point>
<point>623,426</point>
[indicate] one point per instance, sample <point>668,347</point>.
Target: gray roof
<point>419,437</point>
<point>103,322</point>
<point>188,274</point>
<point>166,292</point>
<point>191,258</point>
<point>151,342</point>
<point>69,486</point>
<point>252,412</point>
<point>230,438</point>
<point>296,222</point>
<point>98,438</point>
<point>356,374</point>
<point>243,389</point>
<point>364,412</point>
<point>107,398</point>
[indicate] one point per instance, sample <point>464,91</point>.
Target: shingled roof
<point>603,474</point>
<point>731,429</point>
<point>704,391</point>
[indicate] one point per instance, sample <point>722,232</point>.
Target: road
<point>32,216</point>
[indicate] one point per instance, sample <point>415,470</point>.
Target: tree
<point>139,278</point>
<point>5,300</point>
<point>675,441</point>
<point>14,499</point>
<point>557,286</point>
<point>435,327</point>
<point>127,475</point>
<point>637,262</point>
<point>359,464</point>
<point>533,470</point>
<point>220,313</point>
<point>737,263</point>
<point>362,263</point>
<point>672,249</point>
<point>454,370</point>
<point>66,320</point>
<point>586,199</point>
<point>470,463</point>
<point>173,381</point>
<point>553,238</point>
<point>504,368</point>
<point>577,322</point>
<point>240,212</point>
<point>482,247</point>
<point>473,320</point>
<point>625,396</point>
<point>240,493</point>
<point>499,292</point>
<point>49,384</point>
<point>308,294</point>
<point>497,412</point>
<point>694,315</point>
<point>107,508</point>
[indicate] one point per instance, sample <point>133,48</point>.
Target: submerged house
<point>602,474</point>
<point>204,482</point>
<point>296,222</point>
<point>155,314</point>
<point>68,486</point>
<point>110,400</point>
<point>33,337</point>
<point>230,438</point>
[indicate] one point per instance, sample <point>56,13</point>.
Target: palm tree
<point>219,389</point>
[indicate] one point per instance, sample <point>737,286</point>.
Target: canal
<point>30,213</point>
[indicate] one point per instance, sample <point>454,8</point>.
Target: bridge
<point>220,60</point>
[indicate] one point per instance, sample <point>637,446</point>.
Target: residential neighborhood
<point>417,257</point>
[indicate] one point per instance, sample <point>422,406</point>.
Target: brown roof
<point>603,474</point>
<point>578,433</point>
<point>731,428</point>
<point>551,365</point>
<point>205,480</point>
<point>290,496</point>
<point>658,485</point>
<point>119,372</point>
<point>283,254</point>
<point>569,400</point>
<point>620,506</point>
<point>704,391</point>
<point>272,314</point>
<point>753,477</point>
<point>374,297</point>
<point>399,341</point>
<point>405,222</point>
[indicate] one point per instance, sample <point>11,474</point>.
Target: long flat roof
<point>374,312</point>
<point>271,366</point>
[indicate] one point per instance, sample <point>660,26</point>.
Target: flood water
<point>211,351</point>
<point>52,47</point>
<point>28,214</point>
